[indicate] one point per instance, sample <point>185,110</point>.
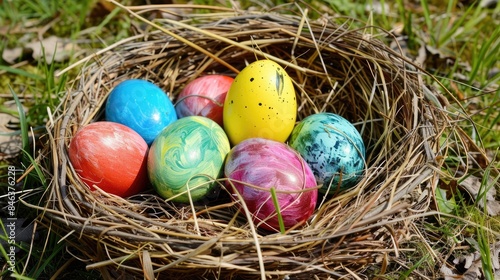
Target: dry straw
<point>358,233</point>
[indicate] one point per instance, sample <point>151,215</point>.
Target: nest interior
<point>334,70</point>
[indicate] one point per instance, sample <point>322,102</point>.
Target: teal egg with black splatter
<point>186,157</point>
<point>333,148</point>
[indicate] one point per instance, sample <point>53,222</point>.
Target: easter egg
<point>185,158</point>
<point>142,106</point>
<point>111,156</point>
<point>256,165</point>
<point>204,96</point>
<point>332,147</point>
<point>260,103</point>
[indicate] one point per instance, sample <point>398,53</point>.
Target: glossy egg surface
<point>111,156</point>
<point>260,103</point>
<point>187,155</point>
<point>142,106</point>
<point>332,147</point>
<point>204,96</point>
<point>262,164</point>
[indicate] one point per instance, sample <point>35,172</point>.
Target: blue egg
<point>142,106</point>
<point>333,148</point>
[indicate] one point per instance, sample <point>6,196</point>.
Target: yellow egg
<point>260,103</point>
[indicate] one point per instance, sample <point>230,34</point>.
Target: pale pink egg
<point>204,96</point>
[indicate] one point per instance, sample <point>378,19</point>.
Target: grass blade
<point>20,72</point>
<point>278,210</point>
<point>482,57</point>
<point>427,18</point>
<point>23,123</point>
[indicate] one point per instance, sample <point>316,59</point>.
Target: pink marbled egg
<point>204,96</point>
<point>256,165</point>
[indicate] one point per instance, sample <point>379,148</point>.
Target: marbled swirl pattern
<point>183,153</point>
<point>142,106</point>
<point>111,156</point>
<point>265,164</point>
<point>204,96</point>
<point>332,147</point>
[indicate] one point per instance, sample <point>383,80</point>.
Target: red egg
<point>110,156</point>
<point>256,165</point>
<point>204,96</point>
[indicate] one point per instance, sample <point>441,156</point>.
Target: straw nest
<point>359,232</point>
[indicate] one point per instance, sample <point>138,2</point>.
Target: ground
<point>456,41</point>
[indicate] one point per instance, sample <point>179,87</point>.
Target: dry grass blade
<point>334,70</point>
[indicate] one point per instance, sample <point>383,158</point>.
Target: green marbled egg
<point>185,156</point>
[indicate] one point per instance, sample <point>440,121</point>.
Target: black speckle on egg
<point>232,101</point>
<point>260,104</point>
<point>251,79</point>
<point>246,106</point>
<point>337,145</point>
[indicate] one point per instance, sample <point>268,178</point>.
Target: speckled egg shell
<point>184,154</point>
<point>266,163</point>
<point>260,103</point>
<point>332,147</point>
<point>142,106</point>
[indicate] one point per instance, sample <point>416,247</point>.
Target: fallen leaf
<point>474,186</point>
<point>378,7</point>
<point>458,92</point>
<point>445,204</point>
<point>472,264</point>
<point>489,3</point>
<point>51,49</point>
<point>437,58</point>
<point>10,142</point>
<point>107,5</point>
<point>11,55</point>
<point>101,9</point>
<point>448,273</point>
<point>422,56</point>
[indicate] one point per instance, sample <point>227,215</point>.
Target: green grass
<point>463,52</point>
<point>484,240</point>
<point>467,36</point>
<point>35,86</point>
